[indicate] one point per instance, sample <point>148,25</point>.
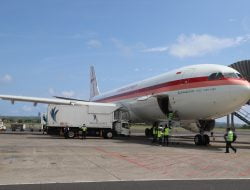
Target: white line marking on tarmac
<point>136,180</point>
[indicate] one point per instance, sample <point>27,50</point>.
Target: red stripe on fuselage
<point>183,84</point>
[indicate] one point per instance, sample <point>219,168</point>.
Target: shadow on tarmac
<point>186,142</point>
<point>181,142</point>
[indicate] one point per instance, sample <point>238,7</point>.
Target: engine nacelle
<point>147,109</point>
<point>196,127</point>
<point>207,125</point>
<point>190,126</point>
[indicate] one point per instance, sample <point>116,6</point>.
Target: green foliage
<point>245,127</point>
<point>14,119</point>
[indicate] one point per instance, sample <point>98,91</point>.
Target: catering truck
<point>100,120</point>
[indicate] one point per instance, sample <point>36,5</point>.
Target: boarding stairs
<point>243,115</point>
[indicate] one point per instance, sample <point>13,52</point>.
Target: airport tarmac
<point>33,158</point>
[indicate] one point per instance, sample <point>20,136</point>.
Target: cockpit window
<point>212,76</point>
<point>239,75</point>
<point>215,76</point>
<point>232,75</point>
<point>218,76</point>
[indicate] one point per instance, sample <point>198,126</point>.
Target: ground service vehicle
<point>2,127</point>
<point>105,121</point>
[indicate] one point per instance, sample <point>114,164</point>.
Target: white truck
<point>105,121</point>
<point>2,126</point>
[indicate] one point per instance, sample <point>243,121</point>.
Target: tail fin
<point>94,91</point>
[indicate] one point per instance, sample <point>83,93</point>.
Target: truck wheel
<point>71,134</point>
<point>109,135</point>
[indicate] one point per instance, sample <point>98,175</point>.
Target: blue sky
<point>46,47</point>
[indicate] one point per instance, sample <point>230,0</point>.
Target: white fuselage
<point>190,91</point>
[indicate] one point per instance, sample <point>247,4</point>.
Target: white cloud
<point>68,94</point>
<point>51,91</point>
<point>198,45</point>
<point>156,49</point>
<point>94,44</point>
<point>126,50</point>
<point>232,20</point>
<point>6,78</point>
<point>81,35</point>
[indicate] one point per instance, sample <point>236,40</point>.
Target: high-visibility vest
<point>84,128</point>
<point>159,134</point>
<point>155,131</point>
<point>230,136</point>
<point>166,131</point>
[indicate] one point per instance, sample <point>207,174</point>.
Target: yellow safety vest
<point>159,134</point>
<point>230,136</point>
<point>84,128</point>
<point>154,131</point>
<point>166,131</point>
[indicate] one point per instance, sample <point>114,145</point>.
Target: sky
<point>47,47</point>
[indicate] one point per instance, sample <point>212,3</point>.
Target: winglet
<point>94,91</point>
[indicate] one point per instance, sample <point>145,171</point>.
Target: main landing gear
<point>201,139</point>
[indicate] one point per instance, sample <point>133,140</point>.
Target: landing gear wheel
<point>201,139</point>
<point>198,139</point>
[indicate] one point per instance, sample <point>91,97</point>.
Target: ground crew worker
<point>212,135</point>
<point>84,131</point>
<point>229,138</point>
<point>155,131</point>
<point>166,134</point>
<point>160,135</point>
<point>66,132</point>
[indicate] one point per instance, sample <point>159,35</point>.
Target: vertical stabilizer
<point>94,91</point>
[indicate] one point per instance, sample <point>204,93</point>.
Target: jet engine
<point>207,125</point>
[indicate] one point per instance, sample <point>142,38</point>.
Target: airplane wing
<point>65,98</point>
<point>37,100</point>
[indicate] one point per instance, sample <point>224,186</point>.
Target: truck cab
<point>121,122</point>
<point>122,128</point>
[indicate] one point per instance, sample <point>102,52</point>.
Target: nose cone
<point>240,93</point>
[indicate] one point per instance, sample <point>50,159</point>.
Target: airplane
<point>197,94</point>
